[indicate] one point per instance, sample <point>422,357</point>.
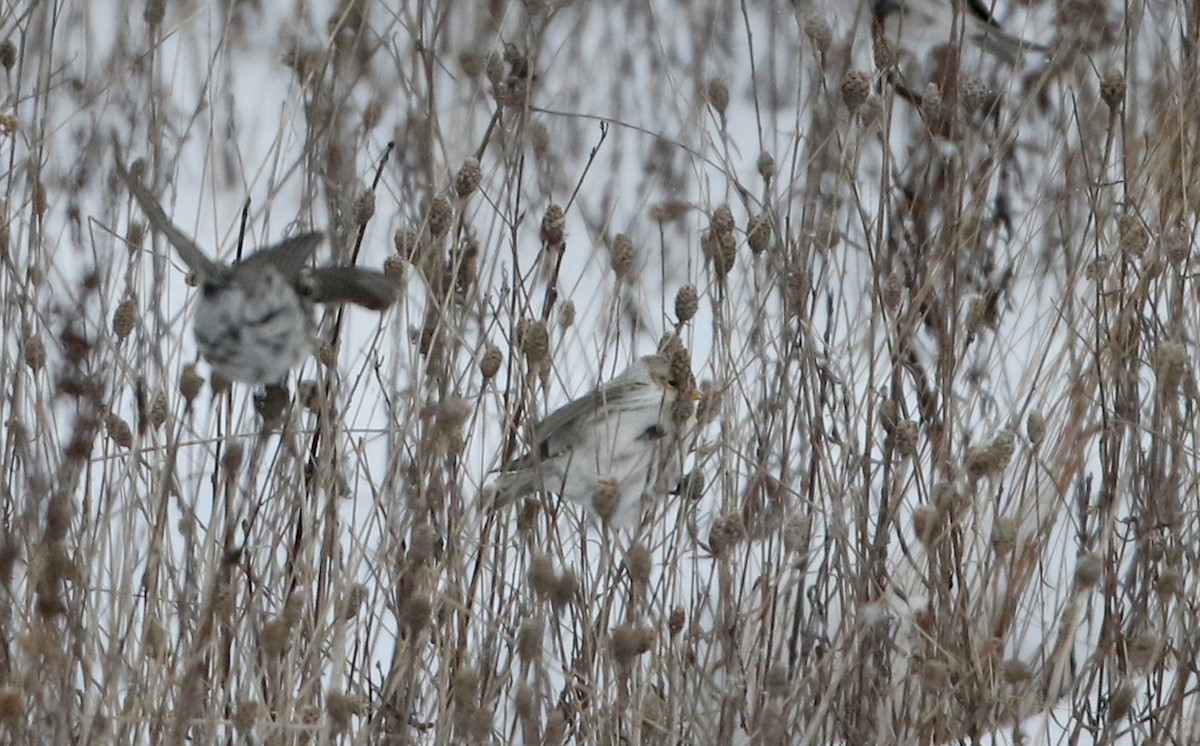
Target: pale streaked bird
<point>254,319</point>
<point>918,26</point>
<point>615,449</point>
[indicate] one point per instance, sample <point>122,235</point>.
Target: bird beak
<point>694,393</point>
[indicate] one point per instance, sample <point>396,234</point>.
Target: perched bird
<point>612,449</point>
<point>254,319</point>
<point>918,26</point>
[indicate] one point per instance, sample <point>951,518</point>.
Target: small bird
<point>918,26</point>
<point>612,449</point>
<point>254,319</point>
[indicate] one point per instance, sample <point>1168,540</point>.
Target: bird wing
<point>189,252</point>
<point>982,12</point>
<point>367,288</point>
<point>288,256</point>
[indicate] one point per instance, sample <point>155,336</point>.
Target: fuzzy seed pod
<point>493,67</point>
<point>727,532</point>
<point>687,302</point>
<point>135,236</point>
<point>766,166</point>
<point>118,429</point>
<point>885,57</point>
<point>231,459</point>
<point>490,364</point>
<point>722,220</point>
<point>718,95</point>
<point>622,256</point>
<point>123,318</point>
<point>676,621</point>
<point>817,29</point>
<point>8,55</point>
<point>629,641</point>
<point>607,499</point>
<point>856,86</point>
<point>416,612</point>
<point>1089,570</point>
<point>471,62</point>
<point>566,314</point>
<point>1120,702</point>
<point>34,352</point>
<point>154,12</point>
<point>1132,234</point>
<point>534,340</point>
<point>566,589</point>
<point>273,637</point>
<point>1015,671</point>
<point>638,563</point>
<point>190,383</point>
<point>1004,536</point>
<point>539,138</point>
<point>156,415</point>
<point>541,575</point>
<point>553,226</point>
<point>529,639</point>
<point>467,180</point>
<point>364,207</point>
<point>975,96</point>
<point>758,233</point>
<point>927,524</point>
<point>1112,89</point>
<point>440,217</point>
<point>1035,427</point>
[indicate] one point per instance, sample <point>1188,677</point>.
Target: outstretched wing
<point>289,256</point>
<point>189,252</point>
<point>364,287</point>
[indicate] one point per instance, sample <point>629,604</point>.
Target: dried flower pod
<point>534,340</point>
<point>622,256</point>
<point>722,220</point>
<point>606,500</point>
<point>156,415</point>
<point>34,352</point>
<point>231,459</point>
<point>1089,570</point>
<point>766,166</point>
<point>629,641</point>
<point>124,317</point>
<point>553,226</point>
<point>118,429</point>
<point>566,314</point>
<point>758,233</point>
<point>687,302</point>
<point>1112,88</point>
<point>364,207</point>
<point>489,364</point>
<point>8,55</point>
<point>856,86</point>
<point>927,524</point>
<point>817,29</point>
<point>468,178</point>
<point>190,383</point>
<point>727,532</point>
<point>638,563</point>
<point>441,215</point>
<point>718,95</point>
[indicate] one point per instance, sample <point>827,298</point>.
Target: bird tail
<point>513,485</point>
<point>363,287</point>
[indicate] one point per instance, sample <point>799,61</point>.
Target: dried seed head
<point>766,166</point>
<point>541,576</point>
<point>539,138</point>
<point>407,243</point>
<point>468,178</point>
<point>553,226</point>
<point>727,532</point>
<point>1089,570</point>
<point>190,383</point>
<point>441,214</point>
<point>722,220</point>
<point>231,459</point>
<point>341,707</point>
<point>157,414</point>
<point>975,96</point>
<point>1035,427</point>
<point>606,500</point>
<point>1112,88</point>
<point>758,233</point>
<point>154,12</point>
<point>364,207</point>
<point>471,61</point>
<point>687,302</point>
<point>8,55</point>
<point>675,621</point>
<point>118,430</point>
<point>124,317</point>
<point>817,29</point>
<point>885,56</point>
<point>638,563</point>
<point>273,637</point>
<point>34,352</point>
<point>1170,365</point>
<point>534,340</point>
<point>566,589</point>
<point>856,86</point>
<point>927,524</point>
<point>452,413</point>
<point>622,256</point>
<point>1015,671</point>
<point>718,95</point>
<point>529,639</point>
<point>1132,234</point>
<point>493,67</point>
<point>566,314</point>
<point>1143,651</point>
<point>417,612</point>
<point>906,435</point>
<point>824,230</point>
<point>395,267</point>
<point>1177,246</point>
<point>1121,701</point>
<point>490,364</point>
<point>629,641</point>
